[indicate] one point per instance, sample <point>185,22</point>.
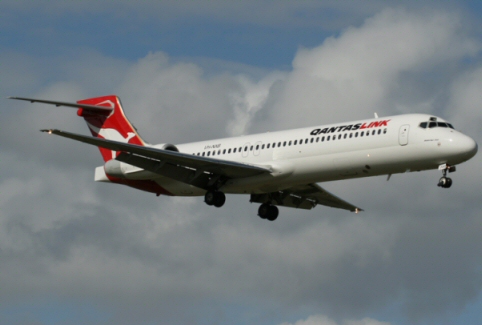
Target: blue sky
<point>73,251</point>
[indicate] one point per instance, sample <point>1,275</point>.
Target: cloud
<point>323,320</point>
<point>359,72</point>
<point>167,260</point>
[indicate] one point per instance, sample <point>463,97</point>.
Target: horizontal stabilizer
<point>91,108</point>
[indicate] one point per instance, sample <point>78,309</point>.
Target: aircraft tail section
<point>110,125</point>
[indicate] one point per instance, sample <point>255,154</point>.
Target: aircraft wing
<point>182,166</point>
<point>304,197</point>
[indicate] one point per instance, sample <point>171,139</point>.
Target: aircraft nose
<point>466,146</point>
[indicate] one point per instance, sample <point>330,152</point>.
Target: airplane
<point>275,168</point>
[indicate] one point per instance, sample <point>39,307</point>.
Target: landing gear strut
<point>268,211</point>
<point>446,182</point>
<point>215,198</point>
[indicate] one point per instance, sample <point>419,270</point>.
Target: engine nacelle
<point>115,168</point>
<point>165,146</point>
<point>118,169</point>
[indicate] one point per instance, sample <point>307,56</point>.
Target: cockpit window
<point>433,124</point>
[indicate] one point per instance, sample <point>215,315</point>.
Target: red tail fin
<point>112,126</point>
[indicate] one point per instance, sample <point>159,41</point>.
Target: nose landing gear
<point>445,182</point>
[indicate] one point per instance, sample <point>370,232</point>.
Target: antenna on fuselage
<point>376,115</point>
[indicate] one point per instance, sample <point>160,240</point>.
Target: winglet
<point>47,131</point>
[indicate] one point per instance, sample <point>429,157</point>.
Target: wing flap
<point>304,197</point>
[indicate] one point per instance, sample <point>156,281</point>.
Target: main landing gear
<point>218,198</point>
<point>445,182</point>
<point>268,211</point>
<point>215,198</point>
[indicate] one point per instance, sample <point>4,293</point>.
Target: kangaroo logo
<point>111,134</point>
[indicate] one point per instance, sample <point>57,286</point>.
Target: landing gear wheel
<point>210,197</point>
<point>445,182</point>
<point>219,199</point>
<point>272,213</point>
<point>263,210</point>
<point>215,198</point>
<point>268,211</point>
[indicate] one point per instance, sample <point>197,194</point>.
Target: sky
<point>73,251</point>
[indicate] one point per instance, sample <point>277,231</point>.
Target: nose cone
<point>466,147</point>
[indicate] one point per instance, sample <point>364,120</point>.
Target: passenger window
<point>322,139</point>
<point>251,148</point>
<point>361,134</point>
<point>373,132</point>
<point>312,140</point>
<point>209,153</point>
<point>344,137</point>
<point>289,143</point>
<point>351,135</point>
<point>219,151</point>
<point>267,146</point>
<point>262,147</point>
<point>257,147</point>
<point>380,131</point>
<point>294,143</point>
<point>279,144</point>
<point>301,141</point>
<point>224,151</point>
<point>284,144</point>
<point>368,133</point>
<point>334,137</point>
<point>384,131</point>
<point>328,138</point>
<point>229,150</point>
<point>317,139</point>
<point>339,137</point>
<point>246,148</point>
<point>203,154</point>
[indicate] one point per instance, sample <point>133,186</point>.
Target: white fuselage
<point>386,145</point>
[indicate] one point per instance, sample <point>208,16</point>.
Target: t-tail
<point>110,125</point>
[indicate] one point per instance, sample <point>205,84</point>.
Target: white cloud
<point>357,73</point>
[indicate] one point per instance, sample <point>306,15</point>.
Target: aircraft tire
<point>210,197</point>
<point>219,199</point>
<point>263,210</point>
<point>272,213</point>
